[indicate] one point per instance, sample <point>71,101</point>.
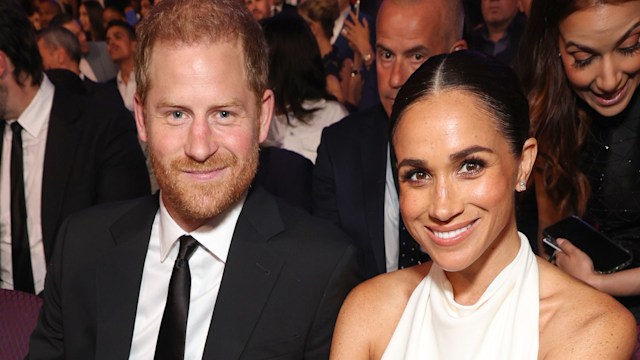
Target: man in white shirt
<point>63,152</point>
<point>213,267</point>
<point>121,42</point>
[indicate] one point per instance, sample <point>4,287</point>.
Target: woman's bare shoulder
<point>371,312</point>
<point>579,322</point>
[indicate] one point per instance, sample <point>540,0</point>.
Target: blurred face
<point>110,14</point>
<point>75,28</point>
<point>48,11</point>
<point>499,12</point>
<point>457,179</point>
<point>405,38</point>
<point>260,9</point>
<point>84,19</point>
<point>120,46</point>
<point>600,50</point>
<point>35,21</point>
<point>202,124</point>
<point>145,6</point>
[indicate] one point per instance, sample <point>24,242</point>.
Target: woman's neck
<point>469,284</point>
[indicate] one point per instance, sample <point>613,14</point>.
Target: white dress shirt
<point>338,24</point>
<point>127,90</point>
<point>391,219</point>
<point>206,265</point>
<point>86,69</point>
<point>35,123</point>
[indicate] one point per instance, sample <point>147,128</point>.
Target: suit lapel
<point>118,280</point>
<point>373,149</point>
<point>250,273</point>
<point>61,147</point>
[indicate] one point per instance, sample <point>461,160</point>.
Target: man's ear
<point>4,66</point>
<point>266,113</point>
<point>459,45</point>
<point>527,160</point>
<point>138,108</point>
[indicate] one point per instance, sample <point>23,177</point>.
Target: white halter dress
<point>502,324</point>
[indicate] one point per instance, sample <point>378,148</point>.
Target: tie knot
<point>16,127</point>
<point>188,246</point>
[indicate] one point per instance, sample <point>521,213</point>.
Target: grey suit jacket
<point>286,276</point>
<point>100,61</point>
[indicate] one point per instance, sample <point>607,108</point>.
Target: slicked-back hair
<point>203,21</point>
<point>18,42</point>
<point>59,37</point>
<point>493,85</point>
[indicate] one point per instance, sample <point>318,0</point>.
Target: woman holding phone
<point>581,69</point>
<point>460,135</point>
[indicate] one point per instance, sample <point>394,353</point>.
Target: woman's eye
<point>471,168</point>
<point>582,59</point>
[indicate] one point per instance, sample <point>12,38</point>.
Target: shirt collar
<point>214,236</point>
<point>37,113</point>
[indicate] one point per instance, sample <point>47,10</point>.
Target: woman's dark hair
<point>493,84</point>
<point>94,10</point>
<point>557,121</point>
<point>18,42</point>
<point>296,73</point>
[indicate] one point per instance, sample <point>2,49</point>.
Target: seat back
<point>18,317</point>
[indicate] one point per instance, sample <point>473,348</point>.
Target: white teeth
<point>450,234</point>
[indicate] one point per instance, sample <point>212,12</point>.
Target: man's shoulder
<point>299,229</point>
<point>108,213</point>
<point>354,124</point>
<point>87,111</point>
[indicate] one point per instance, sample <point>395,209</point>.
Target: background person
<point>582,71</point>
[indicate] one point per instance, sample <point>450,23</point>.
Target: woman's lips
<point>452,235</point>
<point>610,99</point>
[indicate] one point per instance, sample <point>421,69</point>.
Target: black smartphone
<point>606,255</point>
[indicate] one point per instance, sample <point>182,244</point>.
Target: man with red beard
<point>212,267</point>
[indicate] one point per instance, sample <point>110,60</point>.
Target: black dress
<point>611,162</point>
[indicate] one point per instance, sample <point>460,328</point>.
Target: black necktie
<point>20,249</point>
<point>173,329</point>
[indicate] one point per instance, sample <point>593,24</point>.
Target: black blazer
<point>349,181</point>
<point>92,156</point>
<point>286,276</point>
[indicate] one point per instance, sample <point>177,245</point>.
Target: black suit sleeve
<point>123,172</point>
<point>47,340</point>
<point>325,203</point>
<point>346,275</point>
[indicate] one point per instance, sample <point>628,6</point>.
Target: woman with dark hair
<point>91,20</point>
<point>460,135</point>
<point>581,69</point>
<point>302,104</point>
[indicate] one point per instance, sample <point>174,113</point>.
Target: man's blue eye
<point>177,114</point>
<point>224,114</point>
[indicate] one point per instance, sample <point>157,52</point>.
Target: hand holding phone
<point>606,255</point>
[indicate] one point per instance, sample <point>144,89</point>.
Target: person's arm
<point>47,339</point>
<point>578,264</point>
<point>323,183</point>
<point>346,275</point>
<point>358,34</point>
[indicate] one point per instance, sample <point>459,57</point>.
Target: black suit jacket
<point>349,181</point>
<point>286,276</point>
<point>92,156</point>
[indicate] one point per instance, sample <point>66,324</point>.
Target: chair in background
<point>18,316</point>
